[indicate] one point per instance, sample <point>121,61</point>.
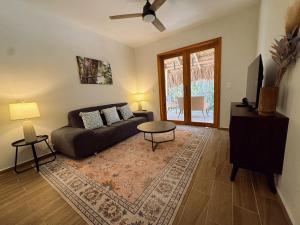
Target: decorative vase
<point>267,101</point>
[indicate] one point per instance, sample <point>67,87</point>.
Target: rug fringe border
<point>68,201</point>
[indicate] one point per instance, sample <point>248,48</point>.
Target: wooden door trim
<point>161,84</point>
<point>184,51</point>
<point>217,80</point>
<point>200,45</point>
<point>186,86</point>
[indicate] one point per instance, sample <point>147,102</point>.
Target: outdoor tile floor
<point>197,116</point>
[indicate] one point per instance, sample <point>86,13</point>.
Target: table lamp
<point>25,111</point>
<point>139,97</point>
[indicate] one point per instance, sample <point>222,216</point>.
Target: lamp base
<point>29,131</point>
<point>140,107</point>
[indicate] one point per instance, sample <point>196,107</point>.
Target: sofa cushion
<point>73,142</point>
<point>91,120</point>
<point>111,115</point>
<point>129,126</point>
<point>76,121</point>
<point>104,133</point>
<point>125,112</point>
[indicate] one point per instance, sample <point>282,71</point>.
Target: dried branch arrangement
<point>285,51</point>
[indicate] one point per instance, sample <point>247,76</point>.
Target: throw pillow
<point>91,120</point>
<point>126,112</point>
<point>111,115</point>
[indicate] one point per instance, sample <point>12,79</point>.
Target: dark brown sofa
<point>75,141</point>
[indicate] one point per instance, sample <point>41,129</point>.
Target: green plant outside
<point>198,88</point>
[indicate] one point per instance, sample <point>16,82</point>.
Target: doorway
<point>189,84</point>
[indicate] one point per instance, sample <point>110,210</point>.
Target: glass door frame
<point>185,52</point>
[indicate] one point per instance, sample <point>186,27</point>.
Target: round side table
<point>22,143</point>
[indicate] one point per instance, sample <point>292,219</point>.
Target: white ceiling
<point>176,15</point>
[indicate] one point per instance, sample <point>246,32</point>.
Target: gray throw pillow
<point>126,112</point>
<point>91,120</point>
<point>111,115</point>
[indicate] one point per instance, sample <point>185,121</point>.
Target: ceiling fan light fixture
<point>149,18</point>
<point>148,14</point>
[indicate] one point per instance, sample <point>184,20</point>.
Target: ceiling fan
<point>148,14</point>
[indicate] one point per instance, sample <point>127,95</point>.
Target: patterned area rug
<point>128,184</point>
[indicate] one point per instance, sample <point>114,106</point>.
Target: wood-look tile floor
<point>211,199</point>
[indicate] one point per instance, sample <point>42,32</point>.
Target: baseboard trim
<point>286,210</point>
<point>223,128</point>
<point>27,162</point>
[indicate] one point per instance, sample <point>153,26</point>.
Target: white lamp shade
<point>24,110</point>
<point>139,97</point>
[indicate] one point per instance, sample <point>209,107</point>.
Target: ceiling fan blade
<point>126,16</point>
<point>158,25</point>
<point>157,4</point>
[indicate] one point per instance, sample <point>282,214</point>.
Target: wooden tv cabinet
<point>257,142</point>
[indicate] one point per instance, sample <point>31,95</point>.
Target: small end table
<point>147,114</point>
<point>21,143</point>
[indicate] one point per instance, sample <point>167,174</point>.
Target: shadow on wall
<point>284,91</point>
<point>270,71</point>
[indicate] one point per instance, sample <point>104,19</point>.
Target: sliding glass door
<point>174,91</point>
<point>202,66</point>
<point>189,80</point>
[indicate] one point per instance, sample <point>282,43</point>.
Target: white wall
<point>271,25</point>
<point>239,43</point>
<point>37,63</point>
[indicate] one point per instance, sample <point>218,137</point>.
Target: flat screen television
<point>254,82</point>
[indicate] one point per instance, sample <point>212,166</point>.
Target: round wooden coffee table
<point>157,127</point>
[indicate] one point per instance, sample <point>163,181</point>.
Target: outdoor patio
<point>197,116</point>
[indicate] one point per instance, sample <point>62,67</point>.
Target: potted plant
<point>284,52</point>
